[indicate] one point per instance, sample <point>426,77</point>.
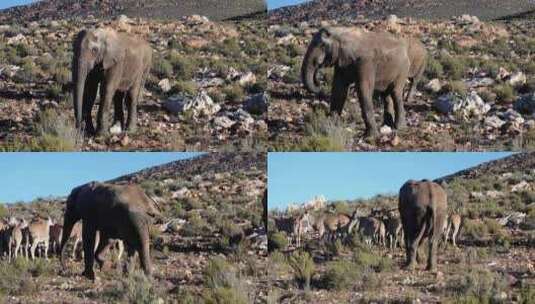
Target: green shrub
<point>303,268</point>
<point>234,93</point>
<point>62,75</point>
<point>183,67</point>
<point>341,275</point>
<point>57,132</point>
<point>54,91</point>
<point>277,241</point>
<point>453,67</point>
<point>222,283</point>
<point>504,93</point>
<point>457,87</point>
<point>434,68</point>
<point>323,133</point>
<point>162,68</point>
<point>184,87</point>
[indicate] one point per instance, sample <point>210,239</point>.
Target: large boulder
<point>200,105</point>
<point>452,103</point>
<point>257,104</point>
<point>525,104</point>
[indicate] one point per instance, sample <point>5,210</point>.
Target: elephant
<point>120,64</point>
<point>373,61</point>
<point>116,212</point>
<point>423,210</point>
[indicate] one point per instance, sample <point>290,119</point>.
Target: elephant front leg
<point>88,240</point>
<point>365,93</point>
<point>90,93</point>
<point>109,89</point>
<point>339,92</point>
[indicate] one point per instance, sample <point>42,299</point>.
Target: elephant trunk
<point>68,224</point>
<point>309,70</point>
<point>79,77</point>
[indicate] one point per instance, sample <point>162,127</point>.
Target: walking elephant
<point>116,212</point>
<point>423,210</point>
<point>372,61</point>
<point>119,64</point>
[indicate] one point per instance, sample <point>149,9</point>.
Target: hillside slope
<point>158,9</point>
<point>427,9</point>
<point>212,212</point>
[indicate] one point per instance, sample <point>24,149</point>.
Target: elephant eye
<point>94,50</point>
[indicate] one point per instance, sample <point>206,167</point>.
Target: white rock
<point>165,85</point>
<point>286,40</point>
<point>479,82</point>
<point>517,79</point>
<point>385,130</point>
<point>494,122</point>
<point>513,116</point>
<point>246,79</point>
<point>20,38</point>
<point>471,105</point>
<point>433,85</point>
<point>200,105</point>
<point>278,72</point>
<point>116,129</point>
<point>223,122</point>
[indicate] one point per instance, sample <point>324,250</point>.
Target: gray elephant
<point>116,212</point>
<point>372,61</point>
<point>119,63</point>
<point>423,209</point>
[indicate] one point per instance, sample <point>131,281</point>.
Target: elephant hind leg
<point>389,113</point>
<point>412,244</point>
<point>400,120</point>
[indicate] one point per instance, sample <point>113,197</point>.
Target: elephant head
<point>97,48</point>
<point>72,215</point>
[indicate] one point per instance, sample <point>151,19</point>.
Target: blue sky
<point>297,177</point>
<point>272,4</point>
<point>10,3</point>
<point>26,176</point>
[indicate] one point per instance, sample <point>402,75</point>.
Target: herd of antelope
<point>380,227</point>
<point>21,237</point>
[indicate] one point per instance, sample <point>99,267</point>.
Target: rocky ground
<point>205,92</point>
<point>493,264</point>
<point>477,93</point>
<point>211,247</point>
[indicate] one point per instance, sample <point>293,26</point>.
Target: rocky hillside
<point>476,93</point>
<point>493,263</point>
<point>205,92</point>
<point>374,9</point>
<point>212,230</point>
<point>159,9</point>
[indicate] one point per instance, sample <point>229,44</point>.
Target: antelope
<point>332,225</point>
<point>12,237</point>
<point>453,225</point>
<point>39,231</point>
<point>56,231</point>
<point>394,229</point>
<point>370,229</point>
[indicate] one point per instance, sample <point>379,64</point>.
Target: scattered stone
<point>247,79</point>
<point>165,85</point>
<point>278,72</point>
<point>257,104</point>
<point>116,129</point>
<point>385,130</point>
<point>517,79</point>
<point>286,40</point>
<point>223,122</point>
<point>433,85</point>
<point>480,82</point>
<point>494,122</point>
<point>522,186</point>
<point>20,38</point>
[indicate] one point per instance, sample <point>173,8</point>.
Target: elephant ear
<point>113,50</point>
<point>336,47</point>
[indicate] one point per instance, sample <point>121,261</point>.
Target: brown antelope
<point>301,225</point>
<point>330,225</point>
<point>39,231</point>
<point>370,229</point>
<point>394,229</point>
<point>12,237</point>
<point>56,231</point>
<point>453,225</point>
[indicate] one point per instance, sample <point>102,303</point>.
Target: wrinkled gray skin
<point>372,61</point>
<point>119,64</point>
<point>423,207</point>
<point>116,212</point>
<point>418,60</point>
